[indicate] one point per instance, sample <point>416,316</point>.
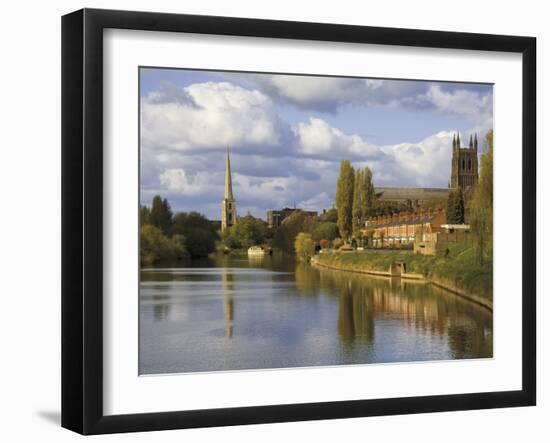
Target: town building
<point>276,217</point>
<point>400,230</point>
<point>229,204</point>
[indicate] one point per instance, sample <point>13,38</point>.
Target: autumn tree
<point>304,246</point>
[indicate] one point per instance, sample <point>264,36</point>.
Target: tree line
<point>165,236</point>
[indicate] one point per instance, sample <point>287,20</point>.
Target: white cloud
<point>220,114</point>
<point>318,138</point>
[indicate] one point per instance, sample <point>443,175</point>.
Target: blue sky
<point>287,135</point>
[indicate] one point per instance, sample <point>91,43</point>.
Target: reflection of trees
<point>362,300</point>
<point>228,288</point>
<point>161,307</point>
<point>355,316</point>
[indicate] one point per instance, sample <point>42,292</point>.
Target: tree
<point>161,214</point>
<point>246,232</point>
<point>330,216</point>
<point>481,205</point>
<point>356,209</point>
<point>156,247</point>
<point>292,225</point>
<point>325,231</point>
<point>144,213</point>
<point>368,197</point>
<point>200,234</point>
<point>455,207</point>
<point>344,199</point>
<point>304,246</point>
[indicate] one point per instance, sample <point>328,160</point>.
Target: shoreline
<point>487,304</point>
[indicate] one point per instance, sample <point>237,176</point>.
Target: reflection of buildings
<point>228,288</point>
<point>276,217</point>
<point>365,300</point>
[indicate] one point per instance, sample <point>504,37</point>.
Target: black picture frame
<point>82,218</point>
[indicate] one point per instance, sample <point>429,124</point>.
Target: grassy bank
<point>460,268</point>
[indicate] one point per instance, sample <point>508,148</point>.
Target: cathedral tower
<point>229,205</point>
<point>464,166</point>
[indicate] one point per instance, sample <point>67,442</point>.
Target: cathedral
<point>229,205</point>
<point>464,174</point>
<point>464,167</point>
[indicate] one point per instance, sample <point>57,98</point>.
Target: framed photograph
<point>269,221</point>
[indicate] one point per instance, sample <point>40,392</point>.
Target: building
<point>412,198</point>
<point>429,243</point>
<point>229,204</point>
<point>464,174</point>
<point>464,165</point>
<point>276,217</point>
<point>400,230</point>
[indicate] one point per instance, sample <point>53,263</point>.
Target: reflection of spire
<point>228,304</point>
<point>228,185</point>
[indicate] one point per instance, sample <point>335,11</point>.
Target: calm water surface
<point>233,313</point>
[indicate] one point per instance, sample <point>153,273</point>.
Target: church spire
<point>228,186</point>
<point>229,205</point>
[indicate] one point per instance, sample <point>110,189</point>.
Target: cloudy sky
<point>287,135</point>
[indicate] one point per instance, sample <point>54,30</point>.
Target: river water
<point>231,313</point>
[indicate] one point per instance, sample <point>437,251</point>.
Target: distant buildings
<point>276,217</point>
<point>425,231</point>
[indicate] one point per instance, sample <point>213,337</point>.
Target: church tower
<point>464,166</point>
<point>229,205</point>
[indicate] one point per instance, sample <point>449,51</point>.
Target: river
<point>232,313</point>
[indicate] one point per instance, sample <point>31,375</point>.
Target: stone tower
<point>464,169</point>
<point>229,205</point>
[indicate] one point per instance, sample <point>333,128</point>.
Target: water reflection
<point>228,287</point>
<point>269,312</point>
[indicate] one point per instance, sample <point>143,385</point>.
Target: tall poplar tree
<point>367,191</point>
<point>344,199</point>
<point>481,205</point>
<point>357,203</point>
<point>161,214</point>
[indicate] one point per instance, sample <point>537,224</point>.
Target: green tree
<point>356,209</point>
<point>156,247</point>
<point>296,222</point>
<point>481,205</point>
<point>246,232</point>
<point>368,196</point>
<point>325,231</point>
<point>200,234</point>
<point>344,199</point>
<point>330,216</point>
<point>304,246</point>
<point>455,207</point>
<point>161,214</point>
<point>144,213</point>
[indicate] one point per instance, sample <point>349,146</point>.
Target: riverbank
<point>458,272</point>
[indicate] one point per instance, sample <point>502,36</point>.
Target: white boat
<point>258,251</point>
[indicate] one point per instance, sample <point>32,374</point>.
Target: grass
<point>460,267</point>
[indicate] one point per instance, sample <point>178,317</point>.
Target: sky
<point>288,133</point>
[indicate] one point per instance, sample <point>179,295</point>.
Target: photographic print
<point>292,221</point>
